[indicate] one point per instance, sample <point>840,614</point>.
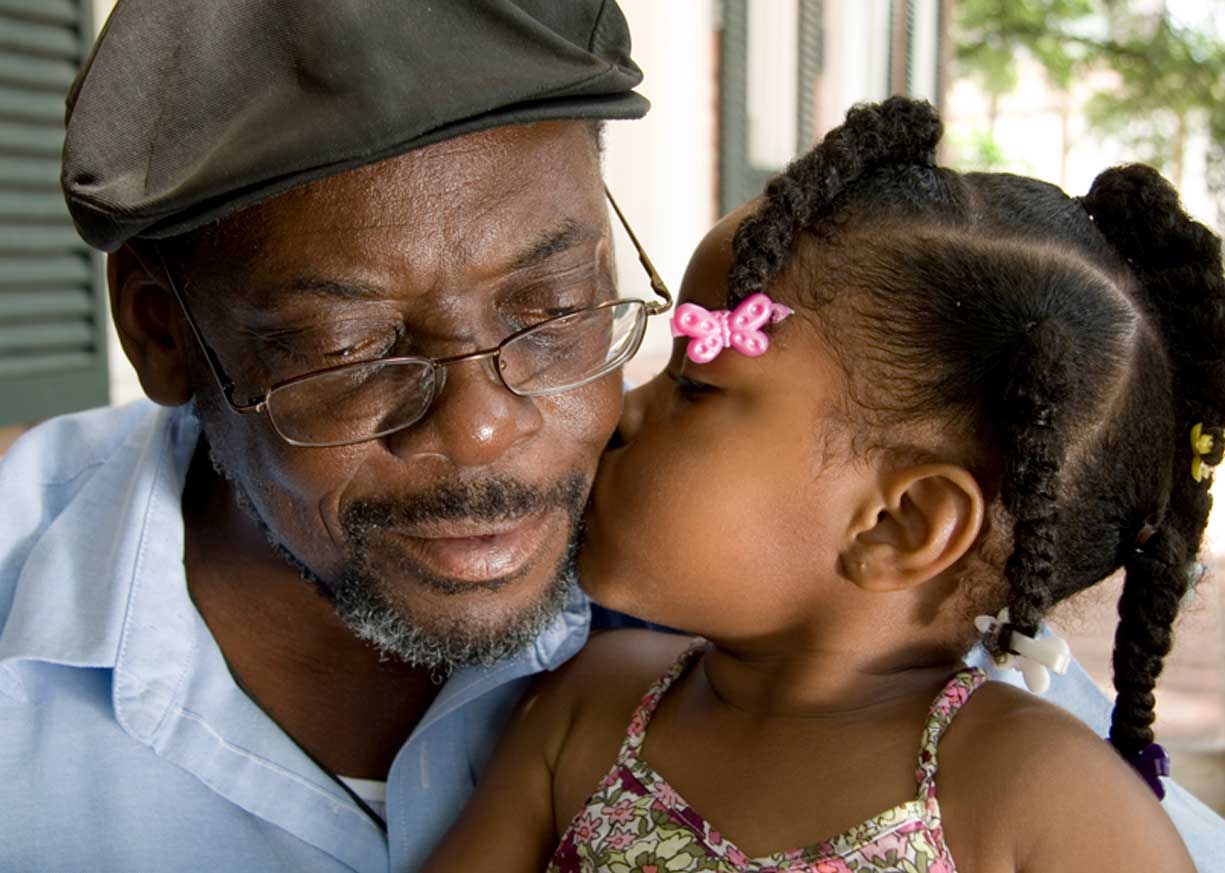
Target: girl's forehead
<point>705,281</point>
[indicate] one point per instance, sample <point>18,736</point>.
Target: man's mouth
<point>478,552</point>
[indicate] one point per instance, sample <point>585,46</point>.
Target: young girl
<point>962,394</point>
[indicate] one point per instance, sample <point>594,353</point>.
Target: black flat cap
<point>188,110</point>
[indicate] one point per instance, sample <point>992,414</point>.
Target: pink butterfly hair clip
<point>740,328</point>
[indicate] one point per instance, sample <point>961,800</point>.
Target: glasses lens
<point>575,349</point>
<point>351,404</point>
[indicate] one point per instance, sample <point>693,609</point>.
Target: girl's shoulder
<point>602,686</point>
<point>605,682</point>
<point>1020,777</point>
<point>625,659</point>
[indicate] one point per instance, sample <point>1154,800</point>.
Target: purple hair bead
<point>1152,763</point>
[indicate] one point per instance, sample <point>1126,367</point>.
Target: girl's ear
<point>150,329</point>
<point>924,520</point>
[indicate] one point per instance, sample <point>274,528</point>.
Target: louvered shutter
<point>52,309</point>
<point>739,177</point>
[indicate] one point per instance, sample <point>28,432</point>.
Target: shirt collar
<point>71,597</point>
<point>559,642</point>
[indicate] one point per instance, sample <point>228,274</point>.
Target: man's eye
<point>367,349</point>
<point>529,309</point>
<point>552,312</point>
<point>320,356</point>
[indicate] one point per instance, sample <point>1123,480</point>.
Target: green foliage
<point>1168,76</point>
<point>978,149</point>
<point>993,31</point>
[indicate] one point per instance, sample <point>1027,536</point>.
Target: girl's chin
<point>602,583</point>
<point>592,577</point>
<point>611,577</point>
<point>626,601</point>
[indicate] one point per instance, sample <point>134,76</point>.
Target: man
<point>360,258</point>
<point>420,181</point>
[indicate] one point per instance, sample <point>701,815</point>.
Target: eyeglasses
<point>354,402</point>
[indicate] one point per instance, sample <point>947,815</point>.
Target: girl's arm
<point>508,824</point>
<point>562,739</point>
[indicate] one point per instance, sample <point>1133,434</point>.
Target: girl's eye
<point>691,389</point>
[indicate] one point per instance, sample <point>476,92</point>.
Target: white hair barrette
<point>1035,658</point>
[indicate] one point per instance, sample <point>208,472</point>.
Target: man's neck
<point>285,645</point>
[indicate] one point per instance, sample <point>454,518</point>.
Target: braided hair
<point>1068,347</point>
<point>1177,262</point>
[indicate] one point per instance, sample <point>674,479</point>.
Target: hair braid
<point>898,131</point>
<point>1177,262</point>
<point>1037,382</point>
<point>1152,590</point>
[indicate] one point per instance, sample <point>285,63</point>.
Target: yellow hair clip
<point>1201,447</point>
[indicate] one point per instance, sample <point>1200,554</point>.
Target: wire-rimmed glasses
<point>354,402</point>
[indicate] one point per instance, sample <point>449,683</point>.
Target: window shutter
<point>52,304</point>
<point>740,177</point>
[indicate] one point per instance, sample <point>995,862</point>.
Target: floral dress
<point>635,822</point>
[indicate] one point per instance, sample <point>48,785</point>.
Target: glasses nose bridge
<point>489,359</point>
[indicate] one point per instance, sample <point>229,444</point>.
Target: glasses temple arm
<point>657,283</point>
<point>223,380</point>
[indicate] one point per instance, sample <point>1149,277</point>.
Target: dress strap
<point>943,709</point>
<point>637,731</point>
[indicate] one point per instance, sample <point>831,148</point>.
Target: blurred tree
<point>1168,75</point>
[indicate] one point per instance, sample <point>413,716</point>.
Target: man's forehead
<point>453,178</point>
<point>499,199</point>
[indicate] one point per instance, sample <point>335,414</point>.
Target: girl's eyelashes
<point>690,389</point>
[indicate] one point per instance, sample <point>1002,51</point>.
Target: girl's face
<point>731,498</point>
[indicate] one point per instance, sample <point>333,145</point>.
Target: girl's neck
<point>810,683</point>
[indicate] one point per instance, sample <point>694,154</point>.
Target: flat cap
<point>187,111</point>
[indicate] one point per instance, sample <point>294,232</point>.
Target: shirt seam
<point>142,549</point>
<point>255,758</point>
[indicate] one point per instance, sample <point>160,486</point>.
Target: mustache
<point>495,498</point>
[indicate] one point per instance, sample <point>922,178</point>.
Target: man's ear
<point>149,325</point>
<point>923,520</point>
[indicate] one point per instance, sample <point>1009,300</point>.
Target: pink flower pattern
<point>636,822</point>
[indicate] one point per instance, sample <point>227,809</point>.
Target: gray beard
<point>363,608</point>
<point>358,593</point>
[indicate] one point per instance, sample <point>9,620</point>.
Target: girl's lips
<point>465,551</point>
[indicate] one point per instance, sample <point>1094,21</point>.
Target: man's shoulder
<point>65,482</point>
<point>45,468</point>
<point>64,448</point>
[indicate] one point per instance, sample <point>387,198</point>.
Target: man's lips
<point>468,551</point>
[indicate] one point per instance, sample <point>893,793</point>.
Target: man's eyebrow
<point>566,236</point>
<point>330,289</point>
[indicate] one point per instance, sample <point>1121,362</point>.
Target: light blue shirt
<point>125,744</point>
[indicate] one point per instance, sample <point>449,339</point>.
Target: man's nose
<point>475,419</point>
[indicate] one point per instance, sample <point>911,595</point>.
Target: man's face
<point>448,542</point>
